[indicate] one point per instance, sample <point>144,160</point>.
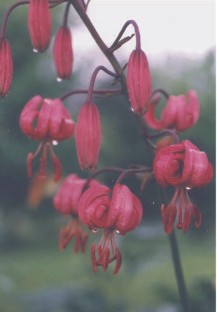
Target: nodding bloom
<point>6,66</point>
<point>118,211</point>
<point>39,24</point>
<point>62,53</point>
<point>138,81</point>
<point>183,166</point>
<point>47,121</point>
<point>66,202</point>
<point>88,136</point>
<point>181,112</point>
<point>68,195</point>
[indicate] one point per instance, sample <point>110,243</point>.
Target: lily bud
<point>138,82</point>
<point>88,136</point>
<point>39,23</point>
<point>6,66</point>
<point>62,53</point>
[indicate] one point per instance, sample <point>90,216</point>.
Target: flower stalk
<point>177,266</point>
<point>179,272</point>
<point>118,70</point>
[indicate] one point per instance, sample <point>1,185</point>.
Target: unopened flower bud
<point>88,136</point>
<point>6,66</point>
<point>62,53</point>
<point>39,23</point>
<point>139,82</point>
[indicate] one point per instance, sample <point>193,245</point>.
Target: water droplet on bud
<point>117,232</point>
<point>35,50</point>
<point>188,188</point>
<point>55,142</point>
<point>59,79</point>
<point>95,230</point>
<point>132,110</point>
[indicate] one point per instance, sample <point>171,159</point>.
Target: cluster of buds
<point>87,202</point>
<point>40,31</point>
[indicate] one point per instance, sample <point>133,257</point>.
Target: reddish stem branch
<point>102,92</point>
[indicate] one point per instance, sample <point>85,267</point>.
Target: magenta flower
<point>88,136</point>
<point>6,66</point>
<point>138,81</point>
<point>181,113</point>
<point>39,23</point>
<point>62,53</point>
<point>118,212</point>
<point>183,166</point>
<point>48,121</point>
<point>68,195</point>
<point>125,211</point>
<point>66,202</point>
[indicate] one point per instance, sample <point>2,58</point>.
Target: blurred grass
<point>143,281</point>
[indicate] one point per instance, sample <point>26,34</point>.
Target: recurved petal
<point>67,128</point>
<point>29,116</point>
<point>169,113</point>
<point>194,105</point>
<point>44,117</point>
<point>125,212</point>
<point>202,171</point>
<point>94,205</point>
<point>150,118</point>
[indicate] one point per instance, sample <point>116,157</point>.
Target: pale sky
<point>166,27</point>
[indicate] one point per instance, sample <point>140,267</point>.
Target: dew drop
<point>55,143</point>
<point>35,50</point>
<point>188,188</point>
<point>132,110</point>
<point>59,79</point>
<point>95,230</point>
<point>117,232</point>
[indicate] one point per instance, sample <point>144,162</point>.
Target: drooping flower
<point>68,195</point>
<point>181,113</point>
<point>88,136</point>
<point>183,166</point>
<point>39,24</point>
<point>62,53</point>
<point>138,81</point>
<point>118,211</point>
<point>48,121</point>
<point>66,202</point>
<point>125,211</point>
<point>6,67</point>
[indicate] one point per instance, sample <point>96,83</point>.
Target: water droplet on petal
<point>188,188</point>
<point>132,110</point>
<point>35,50</point>
<point>55,142</point>
<point>59,79</point>
<point>95,230</point>
<point>117,232</point>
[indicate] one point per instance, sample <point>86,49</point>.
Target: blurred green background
<point>34,276</point>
